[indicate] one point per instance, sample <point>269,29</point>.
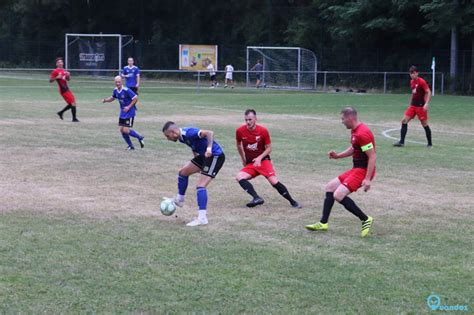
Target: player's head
<point>259,61</point>
<point>349,117</point>
<point>171,131</point>
<point>250,118</point>
<point>413,72</point>
<point>130,61</point>
<point>59,62</point>
<point>118,82</point>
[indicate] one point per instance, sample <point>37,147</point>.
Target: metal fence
<point>326,81</point>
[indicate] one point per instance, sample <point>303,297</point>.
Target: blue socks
<point>135,134</point>
<point>201,193</point>
<point>126,137</point>
<point>182,184</point>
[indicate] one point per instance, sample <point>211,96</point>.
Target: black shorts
<point>258,76</point>
<point>126,122</point>
<point>209,166</point>
<point>212,78</point>
<point>134,89</point>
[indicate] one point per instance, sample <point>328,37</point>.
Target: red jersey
<point>62,83</point>
<point>362,140</point>
<point>419,88</point>
<point>253,141</point>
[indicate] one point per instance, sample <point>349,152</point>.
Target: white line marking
<point>386,135</point>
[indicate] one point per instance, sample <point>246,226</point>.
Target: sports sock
<point>403,133</point>
<point>327,206</point>
<point>182,184</point>
<point>283,191</point>
<point>350,205</point>
<point>248,187</point>
<point>201,194</point>
<point>428,134</point>
<point>73,111</point>
<point>135,134</point>
<point>68,106</point>
<point>126,137</point>
<point>202,214</point>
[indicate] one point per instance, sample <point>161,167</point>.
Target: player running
<point>61,76</point>
<point>131,73</point>
<point>208,159</point>
<point>421,95</point>
<point>127,99</point>
<point>364,157</point>
<point>254,147</point>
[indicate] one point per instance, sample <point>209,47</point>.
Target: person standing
<point>208,160</point>
<point>229,71</point>
<point>254,147</point>
<point>61,76</point>
<point>364,158</point>
<point>212,74</point>
<point>131,73</point>
<point>258,68</point>
<point>127,100</point>
<point>421,96</point>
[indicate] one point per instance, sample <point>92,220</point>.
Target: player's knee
<point>338,195</point>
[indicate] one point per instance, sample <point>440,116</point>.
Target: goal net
<point>96,52</point>
<point>283,67</point>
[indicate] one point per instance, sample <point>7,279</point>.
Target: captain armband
<point>367,147</point>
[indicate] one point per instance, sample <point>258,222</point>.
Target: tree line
<point>323,26</point>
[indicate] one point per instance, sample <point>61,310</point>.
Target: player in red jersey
<point>363,154</point>
<point>254,147</point>
<point>61,76</point>
<point>421,95</point>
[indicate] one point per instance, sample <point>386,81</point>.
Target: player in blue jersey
<point>131,73</point>
<point>127,99</point>
<point>208,160</point>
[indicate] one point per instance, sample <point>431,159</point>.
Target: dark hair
<point>248,111</point>
<point>59,58</point>
<point>413,69</point>
<point>168,125</point>
<point>349,111</point>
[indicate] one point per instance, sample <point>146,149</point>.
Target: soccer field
<point>81,230</point>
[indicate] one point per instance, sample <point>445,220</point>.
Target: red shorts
<point>353,178</point>
<point>418,111</point>
<point>265,169</point>
<point>68,97</point>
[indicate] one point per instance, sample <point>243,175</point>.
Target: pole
<point>299,68</point>
<point>247,72</point>
<point>433,67</point>
<point>120,54</point>
<point>65,52</point>
<point>324,86</point>
<point>384,82</point>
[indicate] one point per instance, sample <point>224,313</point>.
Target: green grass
<point>80,230</point>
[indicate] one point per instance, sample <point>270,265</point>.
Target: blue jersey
<point>131,81</point>
<point>125,97</point>
<point>190,137</point>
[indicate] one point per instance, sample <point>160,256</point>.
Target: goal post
<point>95,52</point>
<point>283,67</point>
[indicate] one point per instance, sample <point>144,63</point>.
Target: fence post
<point>198,87</point>
<point>442,83</point>
<point>385,83</point>
<point>324,85</point>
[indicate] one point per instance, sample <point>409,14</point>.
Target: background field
<point>80,229</point>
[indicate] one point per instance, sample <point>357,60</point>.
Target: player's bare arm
<point>427,100</point>
<point>132,103</point>
<point>138,80</point>
<point>347,152</point>
<point>241,151</point>
<point>108,100</point>
<point>370,169</point>
<point>258,160</point>
<point>209,135</point>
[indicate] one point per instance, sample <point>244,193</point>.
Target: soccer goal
<point>283,67</point>
<point>95,52</point>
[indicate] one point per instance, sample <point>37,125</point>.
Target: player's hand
<point>59,76</point>
<point>332,155</point>
<point>425,107</point>
<point>126,109</point>
<point>208,152</point>
<point>257,162</point>
<point>366,184</point>
<point>244,163</point>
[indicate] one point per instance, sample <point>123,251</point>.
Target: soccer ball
<point>167,207</point>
